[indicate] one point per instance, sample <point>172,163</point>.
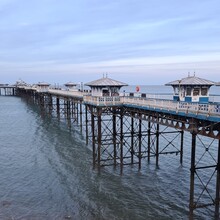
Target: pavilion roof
<point>191,80</point>
<point>105,81</point>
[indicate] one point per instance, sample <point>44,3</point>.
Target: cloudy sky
<point>134,41</point>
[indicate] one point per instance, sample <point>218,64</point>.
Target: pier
<point>7,90</point>
<point>126,130</point>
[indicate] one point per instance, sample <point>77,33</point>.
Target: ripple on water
<point>46,173</point>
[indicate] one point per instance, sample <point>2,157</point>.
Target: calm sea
<point>46,172</point>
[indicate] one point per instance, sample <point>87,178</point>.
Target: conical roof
<point>191,80</point>
<point>105,81</point>
<point>70,84</point>
<point>43,84</point>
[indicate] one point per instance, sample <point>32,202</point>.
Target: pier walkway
<point>208,111</point>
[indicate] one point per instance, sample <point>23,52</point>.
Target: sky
<point>145,42</point>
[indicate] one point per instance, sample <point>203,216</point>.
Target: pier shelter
<point>105,87</point>
<point>20,83</point>
<point>71,86</point>
<point>43,87</point>
<point>191,89</point>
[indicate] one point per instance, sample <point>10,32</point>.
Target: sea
<point>46,172</point>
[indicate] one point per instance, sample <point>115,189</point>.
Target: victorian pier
<point>127,129</point>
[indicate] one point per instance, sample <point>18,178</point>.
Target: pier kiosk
<point>105,87</point>
<point>43,87</point>
<point>71,86</point>
<point>191,89</point>
<point>20,83</point>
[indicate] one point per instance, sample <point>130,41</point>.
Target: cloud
<point>126,36</point>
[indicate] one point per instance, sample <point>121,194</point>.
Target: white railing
<point>151,103</point>
<point>67,93</point>
<point>168,105</point>
<point>102,100</point>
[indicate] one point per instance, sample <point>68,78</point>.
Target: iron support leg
<point>58,107</point>
<point>139,145</point>
<point>148,143</point>
<point>80,105</point>
<point>132,139</point>
<point>181,148</point>
<point>192,174</point>
<point>77,113</point>
<point>99,136</point>
<point>217,184</point>
<point>121,140</point>
<point>157,145</point>
<point>93,136</point>
<point>114,136</point>
<point>87,135</point>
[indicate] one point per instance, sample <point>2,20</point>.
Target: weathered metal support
<point>68,113</point>
<point>181,147</point>
<point>157,145</point>
<point>93,135</point>
<point>121,138</point>
<point>80,112</point>
<point>217,195</point>
<point>77,112</point>
<point>149,141</point>
<point>192,174</point>
<point>50,103</point>
<point>114,136</point>
<point>58,107</point>
<point>99,138</point>
<point>86,120</point>
<point>132,139</point>
<point>139,142</point>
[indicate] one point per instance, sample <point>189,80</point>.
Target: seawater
<point>46,172</point>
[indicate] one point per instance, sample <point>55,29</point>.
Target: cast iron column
<point>192,173</point>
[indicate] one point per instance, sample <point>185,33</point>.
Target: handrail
<point>168,105</point>
<point>207,109</point>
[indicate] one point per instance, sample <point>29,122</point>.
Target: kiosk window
<point>188,91</point>
<point>196,92</point>
<point>204,91</point>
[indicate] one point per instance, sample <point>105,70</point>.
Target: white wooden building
<point>71,86</point>
<point>191,89</point>
<point>105,87</point>
<point>43,87</point>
